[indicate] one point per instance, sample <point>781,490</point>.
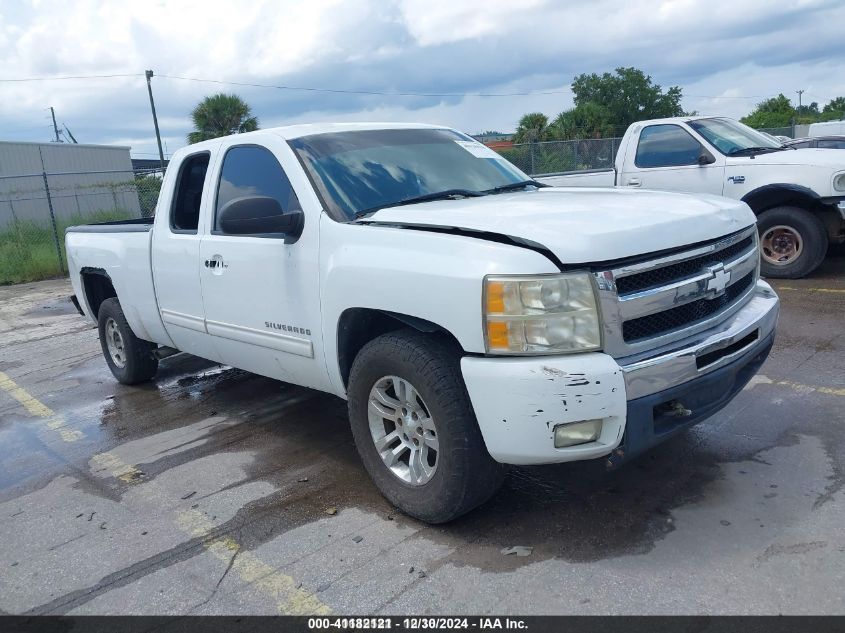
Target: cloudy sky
<point>725,54</point>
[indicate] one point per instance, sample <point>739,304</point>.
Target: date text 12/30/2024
<point>417,623</point>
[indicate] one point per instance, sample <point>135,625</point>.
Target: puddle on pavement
<point>575,512</point>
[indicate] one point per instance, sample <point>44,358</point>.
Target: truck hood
<point>831,158</point>
<point>584,225</point>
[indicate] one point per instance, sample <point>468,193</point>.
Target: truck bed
<point>582,178</point>
<point>135,225</point>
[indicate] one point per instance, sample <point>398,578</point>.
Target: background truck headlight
<point>544,314</point>
<point>839,181</point>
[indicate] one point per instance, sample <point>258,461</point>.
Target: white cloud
<point>718,53</point>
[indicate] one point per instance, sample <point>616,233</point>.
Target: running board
<point>164,352</point>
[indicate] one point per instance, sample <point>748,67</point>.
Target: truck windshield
<point>733,138</point>
<point>365,170</point>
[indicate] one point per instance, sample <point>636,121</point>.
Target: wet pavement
<point>211,490</point>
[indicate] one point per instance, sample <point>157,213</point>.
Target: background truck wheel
<point>415,429</point>
<point>793,242</point>
<point>130,359</point>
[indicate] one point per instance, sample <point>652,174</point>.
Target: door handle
<point>633,182</point>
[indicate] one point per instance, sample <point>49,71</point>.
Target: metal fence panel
<point>36,208</point>
<point>549,157</point>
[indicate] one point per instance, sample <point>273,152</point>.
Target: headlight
<point>546,314</point>
<point>839,181</point>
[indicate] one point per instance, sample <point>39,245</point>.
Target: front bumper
<point>519,401</point>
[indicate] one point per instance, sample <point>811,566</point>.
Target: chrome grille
<point>649,305</point>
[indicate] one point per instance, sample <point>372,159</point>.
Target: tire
<point>130,359</point>
<point>788,229</point>
<point>464,475</point>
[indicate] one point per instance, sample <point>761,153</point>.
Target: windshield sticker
<point>478,150</point>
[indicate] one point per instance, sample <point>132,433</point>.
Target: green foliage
<point>779,112</point>
<point>148,187</point>
<point>774,112</point>
<point>532,127</point>
<point>28,249</point>
<point>221,115</point>
<point>586,120</point>
<point>628,95</point>
<point>834,110</point>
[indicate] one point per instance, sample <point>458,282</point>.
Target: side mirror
<point>255,215</point>
<point>706,158</point>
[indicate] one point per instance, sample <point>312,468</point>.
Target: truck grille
<point>668,274</point>
<point>649,304</point>
<point>685,315</point>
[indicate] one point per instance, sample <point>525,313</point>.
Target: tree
<point>628,95</point>
<point>532,127</point>
<point>586,120</point>
<point>221,115</point>
<point>834,110</point>
<point>774,112</point>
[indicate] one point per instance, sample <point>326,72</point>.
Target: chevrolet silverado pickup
<point>798,195</point>
<point>471,317</point>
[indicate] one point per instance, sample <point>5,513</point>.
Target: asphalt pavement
<point>215,491</point>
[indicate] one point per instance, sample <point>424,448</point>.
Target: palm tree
<point>221,115</point>
<point>532,127</point>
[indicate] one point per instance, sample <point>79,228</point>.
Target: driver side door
<point>261,290</point>
<point>667,158</point>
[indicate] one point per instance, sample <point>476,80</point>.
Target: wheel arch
<point>358,326</point>
<point>97,286</point>
<point>781,194</point>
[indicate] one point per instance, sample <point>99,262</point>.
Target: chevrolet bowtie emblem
<point>719,280</point>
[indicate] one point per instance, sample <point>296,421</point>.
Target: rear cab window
<point>666,145</point>
<point>185,208</point>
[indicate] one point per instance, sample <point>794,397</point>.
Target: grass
<point>28,249</point>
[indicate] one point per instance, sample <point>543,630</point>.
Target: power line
<point>23,79</point>
<point>371,92</point>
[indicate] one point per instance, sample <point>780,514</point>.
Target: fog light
<point>577,433</point>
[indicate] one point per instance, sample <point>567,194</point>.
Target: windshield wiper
<point>437,195</point>
<point>753,150</point>
<point>516,185</point>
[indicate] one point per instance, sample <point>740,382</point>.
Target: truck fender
<point>780,194</point>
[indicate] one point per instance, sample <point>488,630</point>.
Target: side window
<point>249,170</point>
<point>832,144</point>
<point>185,210</point>
<point>666,146</point>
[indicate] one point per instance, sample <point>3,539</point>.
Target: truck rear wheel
<point>130,359</point>
<point>415,429</point>
<point>793,242</point>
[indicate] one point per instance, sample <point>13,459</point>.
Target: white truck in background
<point>798,195</point>
<point>471,317</point>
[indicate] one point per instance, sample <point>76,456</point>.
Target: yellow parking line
<point>831,391</point>
<point>831,290</point>
<point>39,409</point>
<point>290,598</point>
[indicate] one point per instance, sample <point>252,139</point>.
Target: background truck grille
<point>673,272</point>
<point>647,305</point>
<point>683,316</point>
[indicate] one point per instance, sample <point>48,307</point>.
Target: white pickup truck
<point>471,317</point>
<point>798,195</point>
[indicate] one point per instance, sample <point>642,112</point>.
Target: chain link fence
<point>547,157</point>
<point>35,210</point>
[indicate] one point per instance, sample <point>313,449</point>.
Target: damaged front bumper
<point>519,401</point>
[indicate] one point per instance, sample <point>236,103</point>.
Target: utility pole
<point>800,92</point>
<point>55,127</point>
<point>149,75</point>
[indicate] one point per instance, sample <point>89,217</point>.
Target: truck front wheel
<point>793,242</point>
<point>415,429</point>
<point>130,359</point>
